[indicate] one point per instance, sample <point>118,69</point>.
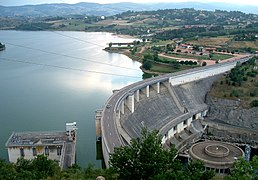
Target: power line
<point>66,68</point>
<point>65,55</point>
<point>150,60</point>
<point>77,39</point>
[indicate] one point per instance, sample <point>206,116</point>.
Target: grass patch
<point>162,68</point>
<point>215,56</point>
<point>221,56</point>
<point>247,92</point>
<point>241,44</point>
<point>218,41</point>
<point>167,59</point>
<point>161,43</point>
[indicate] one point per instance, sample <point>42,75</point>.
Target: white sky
<point>25,2</point>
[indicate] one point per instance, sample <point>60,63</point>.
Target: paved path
<point>69,155</point>
<point>110,135</point>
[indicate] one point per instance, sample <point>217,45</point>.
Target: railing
<point>124,93</point>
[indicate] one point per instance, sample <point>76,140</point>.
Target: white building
<point>30,144</point>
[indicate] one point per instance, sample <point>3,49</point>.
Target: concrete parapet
<point>98,115</point>
<point>112,135</point>
<point>122,107</point>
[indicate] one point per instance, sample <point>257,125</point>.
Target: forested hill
<point>112,9</point>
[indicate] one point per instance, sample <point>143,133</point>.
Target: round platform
<point>218,155</point>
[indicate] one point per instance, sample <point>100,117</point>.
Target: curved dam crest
<point>171,103</point>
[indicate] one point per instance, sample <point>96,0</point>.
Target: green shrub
<point>253,93</point>
<point>254,103</point>
<point>147,65</point>
<point>251,74</point>
<point>234,93</point>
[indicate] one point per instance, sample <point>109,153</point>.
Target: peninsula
<point>2,47</point>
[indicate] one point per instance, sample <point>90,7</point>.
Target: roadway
<point>110,134</point>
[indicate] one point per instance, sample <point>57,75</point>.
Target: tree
<point>156,57</point>
<point>147,57</point>
<point>169,47</point>
<point>7,171</point>
<point>24,169</point>
<point>204,63</point>
<point>143,158</point>
<point>38,168</point>
<point>211,55</point>
<point>196,171</point>
<point>254,103</point>
<point>147,64</point>
<point>44,167</point>
<point>244,169</point>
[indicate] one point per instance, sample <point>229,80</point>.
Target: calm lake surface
<point>44,83</point>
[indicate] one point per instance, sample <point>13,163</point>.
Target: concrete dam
<point>171,103</point>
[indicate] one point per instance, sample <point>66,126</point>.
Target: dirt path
<point>142,49</point>
<point>209,62</point>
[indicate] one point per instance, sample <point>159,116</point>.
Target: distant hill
<point>112,9</point>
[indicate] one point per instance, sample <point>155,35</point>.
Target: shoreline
<point>124,36</point>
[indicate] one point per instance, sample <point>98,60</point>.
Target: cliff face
<point>230,112</point>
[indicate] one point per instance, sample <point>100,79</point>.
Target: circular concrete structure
<point>217,150</point>
<point>112,130</point>
<point>216,155</point>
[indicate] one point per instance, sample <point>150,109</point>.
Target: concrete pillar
<point>118,114</point>
<point>170,80</point>
<point>189,121</point>
<point>122,107</point>
<point>148,91</point>
<point>138,95</point>
<point>131,102</point>
<point>158,87</point>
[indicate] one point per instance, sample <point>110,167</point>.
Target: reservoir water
<point>50,78</point>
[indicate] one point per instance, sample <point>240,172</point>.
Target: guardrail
<point>124,93</point>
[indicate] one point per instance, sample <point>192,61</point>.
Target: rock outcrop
<point>230,112</point>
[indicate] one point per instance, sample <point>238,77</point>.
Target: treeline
<point>243,82</point>
<point>34,26</point>
<point>241,73</point>
<point>145,158</point>
<point>201,32</point>
<point>151,58</point>
<point>188,16</point>
<point>43,168</point>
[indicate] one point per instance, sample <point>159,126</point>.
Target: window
<point>34,151</point>
<point>59,149</point>
<point>166,135</point>
<point>194,117</point>
<point>22,152</point>
<point>46,151</point>
<point>185,122</point>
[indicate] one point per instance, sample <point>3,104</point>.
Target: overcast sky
<point>26,2</point>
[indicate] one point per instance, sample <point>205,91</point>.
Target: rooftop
<point>36,138</point>
<point>216,154</point>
